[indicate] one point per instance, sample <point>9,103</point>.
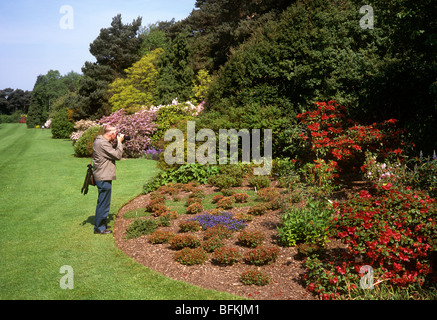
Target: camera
<point>126,138</point>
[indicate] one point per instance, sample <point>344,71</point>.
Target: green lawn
<point>45,223</point>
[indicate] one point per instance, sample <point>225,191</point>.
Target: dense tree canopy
<point>13,100</point>
<point>259,63</point>
<point>115,49</point>
<point>46,90</point>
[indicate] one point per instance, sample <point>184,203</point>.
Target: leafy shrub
<point>211,244</point>
<point>225,219</point>
<point>224,181</point>
<point>190,201</point>
<point>321,175</point>
<point>218,231</point>
<point>241,197</point>
<point>267,194</point>
<point>195,172</point>
<point>227,192</point>
<point>226,256</point>
<point>309,224</point>
<point>255,277</point>
<point>259,182</point>
<point>197,193</point>
<point>187,226</point>
<point>155,204</point>
<point>160,236</point>
<point>226,202</point>
<point>194,208</point>
<point>308,249</point>
<point>423,175</point>
<point>62,127</point>
<point>180,175</point>
<point>84,145</point>
<point>180,241</point>
<point>261,255</point>
<point>251,239</point>
<point>418,173</point>
<point>141,227</point>
<point>243,216</point>
<point>258,209</point>
<point>332,136</point>
<point>216,198</point>
<point>189,256</point>
<point>394,230</point>
<point>140,126</point>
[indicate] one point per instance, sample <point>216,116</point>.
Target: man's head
<point>110,132</point>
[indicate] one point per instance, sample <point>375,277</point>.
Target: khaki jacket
<point>104,156</point>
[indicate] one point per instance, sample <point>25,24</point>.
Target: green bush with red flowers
<point>331,135</point>
<point>393,230</point>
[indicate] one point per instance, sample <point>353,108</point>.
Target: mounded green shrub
<point>84,146</point>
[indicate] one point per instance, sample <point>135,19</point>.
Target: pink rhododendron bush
<point>144,127</point>
<point>139,126</point>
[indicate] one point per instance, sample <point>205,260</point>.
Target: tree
<point>46,90</point>
<point>12,101</point>
<point>139,86</point>
<point>176,73</point>
<point>115,49</point>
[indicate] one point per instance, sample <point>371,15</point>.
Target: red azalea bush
<point>331,135</point>
<point>393,231</point>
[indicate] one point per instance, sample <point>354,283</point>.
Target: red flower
<point>386,186</point>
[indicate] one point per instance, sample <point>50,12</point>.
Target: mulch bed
<point>285,272</point>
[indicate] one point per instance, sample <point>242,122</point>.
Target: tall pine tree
<point>115,49</point>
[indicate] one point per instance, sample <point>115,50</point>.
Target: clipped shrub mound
<point>254,277</point>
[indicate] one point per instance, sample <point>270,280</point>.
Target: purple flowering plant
<point>140,126</point>
<point>224,218</point>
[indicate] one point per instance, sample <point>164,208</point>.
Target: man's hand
<point>120,138</point>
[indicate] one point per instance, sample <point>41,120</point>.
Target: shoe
<point>102,232</point>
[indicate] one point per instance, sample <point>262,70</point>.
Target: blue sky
<point>35,36</point>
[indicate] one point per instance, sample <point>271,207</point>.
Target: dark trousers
<point>103,204</point>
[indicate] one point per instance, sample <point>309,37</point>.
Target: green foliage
<point>46,90</point>
<point>259,182</point>
<point>261,255</point>
<point>226,256</point>
<point>251,239</point>
<point>13,102</point>
<point>183,174</point>
<point>138,88</point>
<point>180,241</point>
<point>190,225</point>
<point>141,227</point>
<point>194,208</point>
<point>115,49</point>
<point>201,85</point>
<point>84,146</point>
<point>255,277</point>
<point>212,244</point>
<point>176,74</point>
<point>309,224</point>
<point>61,126</point>
<point>258,209</point>
<point>160,236</point>
<point>191,256</point>
<point>226,202</point>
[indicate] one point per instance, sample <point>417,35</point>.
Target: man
<point>104,156</point>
